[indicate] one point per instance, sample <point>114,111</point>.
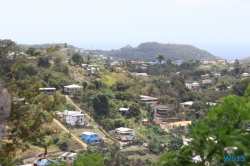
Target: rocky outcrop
<point>5,106</point>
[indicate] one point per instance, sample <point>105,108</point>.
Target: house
<point>178,62</point>
<point>148,99</point>
<point>139,74</point>
<point>193,86</point>
<point>47,90</point>
<point>124,111</point>
<point>207,82</point>
<point>206,67</point>
<point>59,114</point>
<point>18,100</point>
<point>73,117</point>
<point>133,62</point>
<point>212,62</point>
<point>69,89</point>
<point>182,124</point>
<point>211,104</point>
<point>90,137</point>
<point>145,122</point>
<point>115,63</point>
<point>231,62</point>
<point>205,62</point>
<point>245,74</point>
<point>217,75</point>
<point>222,61</point>
<point>206,76</point>
<point>186,104</point>
<point>44,162</point>
<point>161,111</point>
<point>68,157</point>
<point>125,134</point>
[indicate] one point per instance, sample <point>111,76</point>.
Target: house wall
<point>73,119</point>
<point>91,139</point>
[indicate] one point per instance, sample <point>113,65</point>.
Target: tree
<point>240,87</point>
<point>26,121</point>
<point>135,109</point>
<point>100,104</point>
<point>169,62</point>
<point>77,58</point>
<point>150,113</point>
<point>37,53</point>
<point>160,58</point>
<point>225,127</point>
<point>8,47</point>
<point>30,51</point>
<point>43,62</point>
<point>174,144</point>
<point>89,160</point>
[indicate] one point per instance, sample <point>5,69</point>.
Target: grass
<point>153,158</point>
<point>133,148</point>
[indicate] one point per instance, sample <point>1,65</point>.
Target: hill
<point>246,60</point>
<point>150,50</point>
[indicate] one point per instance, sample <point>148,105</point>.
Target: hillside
<point>150,50</point>
<point>246,60</point>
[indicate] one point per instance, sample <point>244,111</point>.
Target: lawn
<point>78,132</point>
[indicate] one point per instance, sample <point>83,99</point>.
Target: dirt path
<point>65,129</point>
<point>92,120</point>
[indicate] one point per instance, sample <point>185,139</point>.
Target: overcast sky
<point>222,27</point>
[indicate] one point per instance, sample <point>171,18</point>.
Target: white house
<point>68,157</point>
<point>245,74</point>
<point>206,76</point>
<point>73,117</point>
<point>207,82</point>
<point>139,74</point>
<point>205,62</point>
<point>178,62</point>
<point>69,89</point>
<point>47,90</point>
<point>193,86</point>
<point>125,134</point>
<point>217,75</point>
<point>149,99</point>
<point>186,104</point>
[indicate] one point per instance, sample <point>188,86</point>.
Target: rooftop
<point>123,129</point>
<point>88,133</point>
<point>73,86</point>
<point>181,123</point>
<point>147,97</point>
<point>68,154</point>
<point>187,103</point>
<point>47,88</point>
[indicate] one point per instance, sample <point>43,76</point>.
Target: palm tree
<point>160,58</point>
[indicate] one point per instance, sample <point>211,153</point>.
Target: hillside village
<point>76,105</point>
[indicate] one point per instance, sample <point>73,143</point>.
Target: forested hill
<point>150,50</point>
<point>247,59</point>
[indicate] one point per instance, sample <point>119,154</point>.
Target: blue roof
<point>44,162</point>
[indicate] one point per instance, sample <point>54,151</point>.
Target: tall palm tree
<point>160,58</point>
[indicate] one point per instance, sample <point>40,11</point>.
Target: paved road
<point>65,129</point>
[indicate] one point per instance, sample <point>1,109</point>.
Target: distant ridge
<point>150,50</point>
<point>247,59</point>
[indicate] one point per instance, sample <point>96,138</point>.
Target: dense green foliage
<point>226,126</point>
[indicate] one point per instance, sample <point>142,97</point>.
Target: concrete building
<point>73,117</point>
<point>69,89</point>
